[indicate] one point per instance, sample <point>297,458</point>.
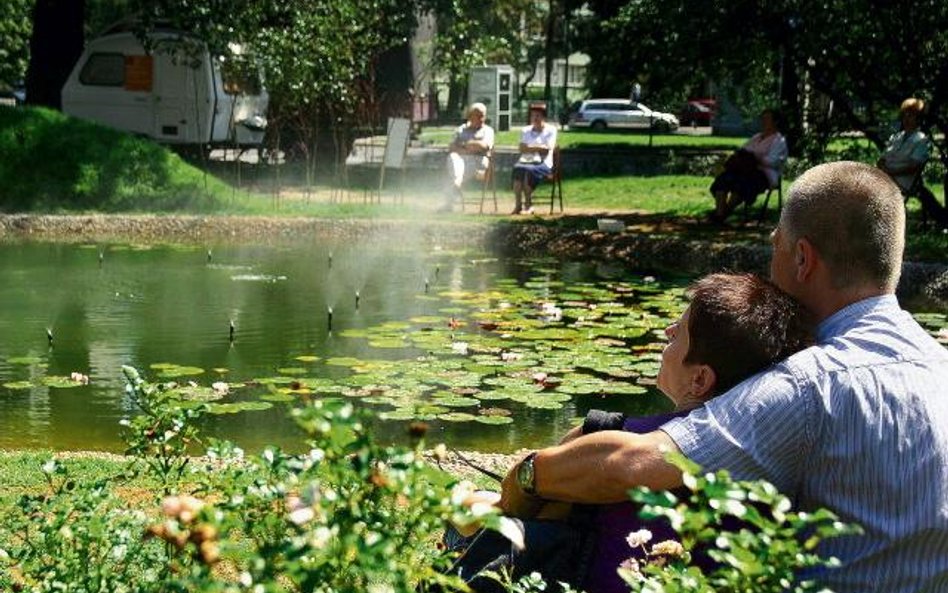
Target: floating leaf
<point>18,385</point>
<point>198,393</point>
<point>494,420</point>
<point>457,417</point>
<point>277,396</point>
<point>292,371</point>
<point>307,358</point>
<point>60,382</point>
<point>26,360</point>
<point>233,408</point>
<point>173,371</point>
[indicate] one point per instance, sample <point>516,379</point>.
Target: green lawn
<point>573,139</point>
<point>674,195</point>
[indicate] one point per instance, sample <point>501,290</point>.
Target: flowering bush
<point>346,515</point>
<point>747,529</point>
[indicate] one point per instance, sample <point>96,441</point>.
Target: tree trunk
<point>55,46</point>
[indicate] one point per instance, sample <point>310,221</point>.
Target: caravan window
<point>240,76</point>
<point>103,70</point>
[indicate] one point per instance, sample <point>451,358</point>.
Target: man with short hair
<point>857,424</point>
<point>470,150</point>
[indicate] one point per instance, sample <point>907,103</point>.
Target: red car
<point>697,112</point>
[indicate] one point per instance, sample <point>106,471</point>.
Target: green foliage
<point>162,434</point>
<point>49,161</point>
<point>16,26</point>
<point>767,553</point>
<point>76,537</point>
<point>346,515</point>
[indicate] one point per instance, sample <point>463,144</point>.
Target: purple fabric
<point>614,522</point>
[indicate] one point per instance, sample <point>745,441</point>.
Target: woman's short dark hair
<point>740,324</point>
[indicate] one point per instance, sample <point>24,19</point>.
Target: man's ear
<point>804,258</point>
<point>703,380</point>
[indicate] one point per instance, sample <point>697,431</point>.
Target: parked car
<point>600,114</point>
<point>696,113</point>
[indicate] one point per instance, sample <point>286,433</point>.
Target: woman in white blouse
<point>751,170</point>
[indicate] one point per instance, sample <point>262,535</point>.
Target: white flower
<point>440,452</point>
<point>459,348</point>
<point>639,538</point>
<point>220,387</point>
<point>245,579</point>
<point>510,356</point>
<point>462,491</point>
<point>302,516</point>
<point>479,509</point>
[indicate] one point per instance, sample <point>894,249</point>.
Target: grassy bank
<point>51,162</point>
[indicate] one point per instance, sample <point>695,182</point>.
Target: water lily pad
<point>60,382</point>
<point>277,396</point>
<point>343,361</point>
<point>276,380</point>
<point>233,408</point>
<point>198,393</point>
<point>457,417</point>
<point>25,360</point>
<point>456,401</point>
<point>292,371</point>
<point>494,420</point>
<point>17,385</point>
<point>307,358</point>
<point>173,371</point>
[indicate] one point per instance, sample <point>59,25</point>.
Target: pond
<point>495,355</point>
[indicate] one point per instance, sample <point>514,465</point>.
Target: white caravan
<point>177,92</point>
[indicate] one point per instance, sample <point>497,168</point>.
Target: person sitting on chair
<point>469,154</point>
<point>905,156</point>
<point>751,170</point>
<point>537,142</point>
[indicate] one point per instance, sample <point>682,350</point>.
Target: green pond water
<point>494,355</point>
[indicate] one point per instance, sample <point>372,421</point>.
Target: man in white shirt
<point>469,152</point>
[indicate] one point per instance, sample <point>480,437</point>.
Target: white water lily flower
<point>220,387</point>
<point>459,348</point>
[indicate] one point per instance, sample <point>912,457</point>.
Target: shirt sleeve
<point>489,137</point>
<point>777,154</point>
<point>761,429</point>
<point>919,152</point>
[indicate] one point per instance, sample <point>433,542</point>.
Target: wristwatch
<point>526,476</point>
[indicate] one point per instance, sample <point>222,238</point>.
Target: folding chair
<point>488,181</point>
<point>915,190</point>
<point>778,187</point>
<point>556,180</point>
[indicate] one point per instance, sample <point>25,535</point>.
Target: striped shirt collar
<point>841,321</point>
